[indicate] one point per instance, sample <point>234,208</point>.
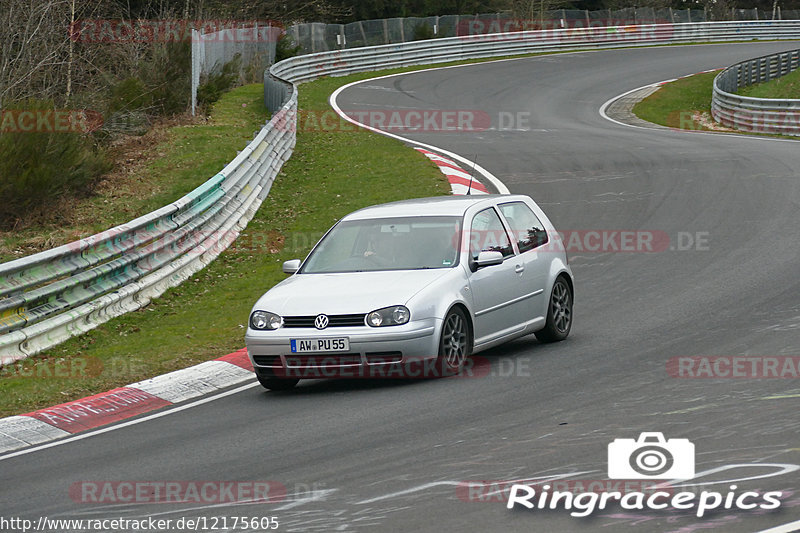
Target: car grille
<point>321,361</point>
<point>267,360</point>
<point>327,360</point>
<point>334,321</point>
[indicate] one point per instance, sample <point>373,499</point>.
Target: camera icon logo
<point>651,457</point>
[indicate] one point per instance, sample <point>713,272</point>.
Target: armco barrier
<point>52,295</point>
<point>762,115</point>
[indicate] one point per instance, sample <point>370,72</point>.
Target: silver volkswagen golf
<point>411,289</point>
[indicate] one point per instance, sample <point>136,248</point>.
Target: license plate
<point>320,345</point>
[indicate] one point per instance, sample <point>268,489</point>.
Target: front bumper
<point>373,352</point>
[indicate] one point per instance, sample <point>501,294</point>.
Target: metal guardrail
<point>342,62</point>
<point>50,296</point>
<point>762,115</point>
<point>53,295</point>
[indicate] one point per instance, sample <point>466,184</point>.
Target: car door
<point>530,236</point>
<point>496,289</point>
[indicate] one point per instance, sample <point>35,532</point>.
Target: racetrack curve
<point>386,456</point>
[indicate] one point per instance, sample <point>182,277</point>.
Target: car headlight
<point>265,320</point>
<point>389,316</point>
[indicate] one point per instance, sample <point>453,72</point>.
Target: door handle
<point>519,269</point>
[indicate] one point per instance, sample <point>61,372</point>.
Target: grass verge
<point>330,174</point>
<point>787,87</point>
<point>682,104</point>
<point>151,171</point>
<point>686,103</point>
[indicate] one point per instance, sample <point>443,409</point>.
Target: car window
<point>525,226</point>
<point>403,243</point>
<point>488,235</point>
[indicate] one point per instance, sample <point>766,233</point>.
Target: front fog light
<point>389,316</point>
<point>265,320</point>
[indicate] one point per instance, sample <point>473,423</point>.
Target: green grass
<point>785,87</point>
<point>675,103</point>
<point>329,175</point>
<point>186,157</point>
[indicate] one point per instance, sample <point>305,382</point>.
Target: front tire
<point>559,313</point>
<point>278,384</point>
<point>454,345</point>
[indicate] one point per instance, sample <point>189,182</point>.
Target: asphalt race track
<point>389,455</point>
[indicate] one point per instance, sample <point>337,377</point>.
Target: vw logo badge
<point>321,322</point>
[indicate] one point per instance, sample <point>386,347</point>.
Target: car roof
<point>434,206</point>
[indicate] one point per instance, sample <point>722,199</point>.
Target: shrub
<point>128,95</point>
<point>285,47</point>
<point>167,76</point>
<point>422,32</point>
<point>220,79</point>
<point>41,169</point>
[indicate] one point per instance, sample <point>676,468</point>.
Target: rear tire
<point>559,313</point>
<point>454,345</point>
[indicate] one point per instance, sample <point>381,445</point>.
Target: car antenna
<point>471,173</point>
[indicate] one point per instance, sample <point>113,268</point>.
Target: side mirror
<point>488,259</point>
<point>290,267</point>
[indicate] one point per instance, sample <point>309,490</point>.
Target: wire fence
<point>255,46</point>
<point>319,37</point>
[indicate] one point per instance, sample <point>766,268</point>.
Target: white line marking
<point>409,491</point>
<point>785,528</point>
<point>499,185</point>
<point>422,487</point>
<point>82,436</point>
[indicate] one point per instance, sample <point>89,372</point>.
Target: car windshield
<point>407,243</point>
